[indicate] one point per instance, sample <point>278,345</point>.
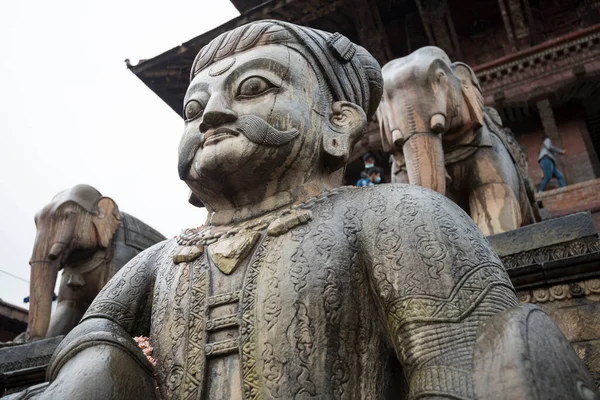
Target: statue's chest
<point>213,305</point>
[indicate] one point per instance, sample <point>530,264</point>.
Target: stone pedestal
<point>24,365</point>
<point>556,265</point>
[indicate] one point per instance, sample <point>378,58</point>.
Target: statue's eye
<point>254,86</point>
<point>193,108</point>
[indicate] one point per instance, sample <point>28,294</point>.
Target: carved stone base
<point>559,250</point>
<point>24,365</point>
<point>556,265</point>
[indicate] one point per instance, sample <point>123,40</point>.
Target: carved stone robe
<point>379,295</point>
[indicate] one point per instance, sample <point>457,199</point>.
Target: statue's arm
<point>99,358</point>
<point>435,278</point>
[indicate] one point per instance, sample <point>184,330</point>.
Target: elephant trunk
<point>404,125</point>
<point>41,291</point>
<point>49,254</point>
<point>424,158</point>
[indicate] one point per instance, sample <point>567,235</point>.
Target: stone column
<point>551,130</point>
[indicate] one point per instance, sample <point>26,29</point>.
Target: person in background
<point>370,178</point>
<point>548,164</point>
<point>375,175</point>
<point>369,161</point>
<point>364,180</point>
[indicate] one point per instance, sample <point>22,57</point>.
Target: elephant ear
<point>106,220</point>
<point>471,91</point>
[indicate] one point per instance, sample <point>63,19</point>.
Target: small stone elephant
<point>85,234</point>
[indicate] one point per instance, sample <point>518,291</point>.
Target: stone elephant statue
<point>85,234</point>
<point>433,121</point>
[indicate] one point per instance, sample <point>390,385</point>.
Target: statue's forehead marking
<point>221,67</point>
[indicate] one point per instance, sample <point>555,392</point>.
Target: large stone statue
<point>433,121</point>
<point>296,289</point>
<point>83,233</point>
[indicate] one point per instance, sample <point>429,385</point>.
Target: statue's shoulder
<point>160,247</point>
<point>393,195</point>
<point>154,254</point>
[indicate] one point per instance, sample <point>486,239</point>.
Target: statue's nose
<point>216,113</point>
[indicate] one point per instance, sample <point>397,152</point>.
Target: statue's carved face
<point>250,116</point>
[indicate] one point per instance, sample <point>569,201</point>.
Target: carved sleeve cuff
<point>441,381</point>
<point>95,332</point>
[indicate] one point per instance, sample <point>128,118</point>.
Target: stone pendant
<point>187,253</point>
<point>228,254</point>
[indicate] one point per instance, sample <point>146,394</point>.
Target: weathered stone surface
<point>546,233</point>
<point>575,307</point>
<point>589,352</point>
<point>533,337</point>
<point>350,293</point>
<point>28,355</point>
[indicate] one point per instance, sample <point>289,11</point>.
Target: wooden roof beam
<point>371,31</point>
<point>439,26</point>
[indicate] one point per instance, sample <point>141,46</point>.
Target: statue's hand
<point>101,372</point>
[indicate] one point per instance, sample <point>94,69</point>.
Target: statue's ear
<point>347,122</point>
<point>106,220</point>
<point>471,90</point>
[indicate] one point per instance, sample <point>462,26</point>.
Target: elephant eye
<point>193,109</point>
<point>254,86</point>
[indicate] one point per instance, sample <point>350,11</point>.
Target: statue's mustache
<point>256,129</point>
<point>259,131</point>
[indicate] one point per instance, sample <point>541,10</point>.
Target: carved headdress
<point>350,72</point>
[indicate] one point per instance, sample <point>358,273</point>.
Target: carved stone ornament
<point>588,287</point>
<point>551,253</point>
<point>297,288</point>
<point>515,77</point>
<point>227,254</point>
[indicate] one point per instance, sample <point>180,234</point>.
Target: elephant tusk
<point>397,137</point>
<point>438,123</point>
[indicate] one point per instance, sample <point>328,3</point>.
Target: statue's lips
<point>216,135</point>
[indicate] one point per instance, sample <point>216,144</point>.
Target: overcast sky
<point>71,112</point>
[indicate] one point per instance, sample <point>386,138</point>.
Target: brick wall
<point>571,126</point>
<point>573,198</point>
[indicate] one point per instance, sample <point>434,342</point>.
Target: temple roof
<point>167,74</point>
<point>512,72</point>
<point>13,320</point>
<point>244,5</point>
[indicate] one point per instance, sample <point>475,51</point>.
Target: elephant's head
<point>427,98</point>
<point>73,227</point>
